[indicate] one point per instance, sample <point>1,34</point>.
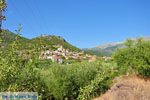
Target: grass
<point>128,88</point>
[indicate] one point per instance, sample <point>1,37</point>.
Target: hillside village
<point>61,54</point>
<point>55,49</point>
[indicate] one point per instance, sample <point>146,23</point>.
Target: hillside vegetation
<point>82,80</point>
<point>8,38</point>
<point>48,41</point>
<point>100,53</point>
<point>109,49</point>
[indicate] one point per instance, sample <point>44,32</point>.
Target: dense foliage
<point>65,81</point>
<point>100,83</point>
<point>17,73</point>
<point>135,57</point>
<point>50,80</point>
<point>82,80</point>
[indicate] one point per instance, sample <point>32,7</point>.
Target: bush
<point>101,82</point>
<point>52,80</point>
<point>18,74</point>
<point>135,57</point>
<point>65,81</point>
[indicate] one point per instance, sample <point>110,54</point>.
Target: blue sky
<point>83,23</point>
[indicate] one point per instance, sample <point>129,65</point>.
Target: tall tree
<point>2,17</point>
<point>2,9</point>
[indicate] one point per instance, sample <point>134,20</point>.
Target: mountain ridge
<point>103,46</point>
<point>47,40</point>
<point>108,48</point>
<point>106,45</point>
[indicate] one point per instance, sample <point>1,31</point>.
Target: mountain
<point>105,49</point>
<point>105,46</point>
<point>8,37</point>
<point>50,41</point>
<point>47,41</point>
<point>146,38</point>
<point>109,48</point>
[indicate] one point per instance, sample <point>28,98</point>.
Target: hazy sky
<point>83,23</point>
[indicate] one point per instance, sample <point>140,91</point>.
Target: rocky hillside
<point>109,48</point>
<point>105,46</point>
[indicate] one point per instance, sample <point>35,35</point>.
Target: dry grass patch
<point>128,88</point>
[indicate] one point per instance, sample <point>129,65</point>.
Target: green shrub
<point>101,82</point>
<point>18,74</point>
<point>64,81</point>
<point>135,57</point>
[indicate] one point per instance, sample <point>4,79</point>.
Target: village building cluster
<point>61,54</point>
